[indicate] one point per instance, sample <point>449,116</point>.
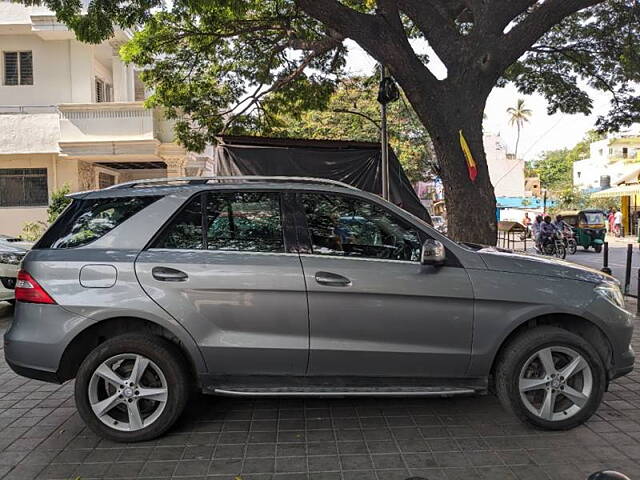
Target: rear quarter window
<point>86,220</point>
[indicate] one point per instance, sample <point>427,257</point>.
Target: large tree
<point>231,64</point>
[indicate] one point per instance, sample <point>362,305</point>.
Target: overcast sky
<point>543,132</point>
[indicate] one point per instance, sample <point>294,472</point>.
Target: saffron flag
<point>471,163</point>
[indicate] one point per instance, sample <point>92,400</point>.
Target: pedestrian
<point>617,222</point>
<point>526,221</point>
<point>535,230</point>
<point>610,217</point>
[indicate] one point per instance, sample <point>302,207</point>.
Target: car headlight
<point>611,292</point>
<point>11,258</point>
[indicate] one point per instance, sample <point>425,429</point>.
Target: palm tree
<point>518,116</point>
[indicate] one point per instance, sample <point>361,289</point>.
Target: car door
<point>374,310</point>
<point>222,267</point>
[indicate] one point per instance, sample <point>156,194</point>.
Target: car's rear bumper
<point>34,373</point>
<point>38,338</point>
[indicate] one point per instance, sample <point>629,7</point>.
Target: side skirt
<point>276,386</point>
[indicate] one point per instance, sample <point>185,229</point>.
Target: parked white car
<point>12,251</point>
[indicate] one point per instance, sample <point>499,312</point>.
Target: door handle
<point>332,279</point>
<point>166,274</point>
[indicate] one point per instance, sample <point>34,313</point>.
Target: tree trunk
<point>471,205</point>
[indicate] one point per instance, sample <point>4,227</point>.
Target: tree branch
<point>353,112</point>
<point>372,32</point>
<point>541,19</point>
<point>438,28</point>
<point>493,17</point>
<point>255,98</point>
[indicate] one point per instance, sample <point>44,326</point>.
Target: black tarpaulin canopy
<point>355,163</point>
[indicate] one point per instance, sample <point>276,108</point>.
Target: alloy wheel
<point>128,392</point>
<point>555,383</point>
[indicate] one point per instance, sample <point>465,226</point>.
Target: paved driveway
<point>42,436</point>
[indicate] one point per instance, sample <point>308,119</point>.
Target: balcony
<point>98,131</point>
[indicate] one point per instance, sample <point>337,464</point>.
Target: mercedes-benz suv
<point>254,286</point>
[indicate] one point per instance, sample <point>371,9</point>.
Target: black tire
<point>165,355</point>
<point>597,248</point>
<point>572,248</point>
<point>586,248</point>
<point>518,351</point>
<point>560,252</point>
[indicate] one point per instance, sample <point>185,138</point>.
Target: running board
<point>344,391</point>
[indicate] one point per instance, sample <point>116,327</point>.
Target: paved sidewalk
<point>42,436</point>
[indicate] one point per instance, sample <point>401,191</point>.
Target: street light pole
<point>384,141</point>
<point>544,200</point>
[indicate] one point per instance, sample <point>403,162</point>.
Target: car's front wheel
<point>550,378</point>
<point>132,387</point>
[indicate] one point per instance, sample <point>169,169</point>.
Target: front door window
<point>345,226</point>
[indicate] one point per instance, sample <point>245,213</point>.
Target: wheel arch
<point>95,334</point>
<point>573,323</point>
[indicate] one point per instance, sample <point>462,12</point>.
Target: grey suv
<point>300,287</point>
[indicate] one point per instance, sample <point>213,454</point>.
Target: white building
<point>71,113</point>
<point>610,160</point>
<point>506,171</point>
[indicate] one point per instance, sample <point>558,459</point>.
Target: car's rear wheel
<point>132,387</point>
<point>550,378</point>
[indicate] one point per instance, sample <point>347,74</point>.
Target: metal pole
<point>638,294</point>
<point>544,201</point>
<point>605,259</point>
<point>627,273</point>
<point>384,142</point>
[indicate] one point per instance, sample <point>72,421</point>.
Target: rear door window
<point>233,221</point>
<point>84,221</point>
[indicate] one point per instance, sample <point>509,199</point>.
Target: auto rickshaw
<point>590,227</point>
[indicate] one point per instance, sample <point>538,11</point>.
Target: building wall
<point>51,71</point>
<point>506,172</point>
<point>615,157</point>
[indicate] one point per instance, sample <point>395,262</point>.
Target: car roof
<point>167,186</point>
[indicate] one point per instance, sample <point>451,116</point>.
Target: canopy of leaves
<point>597,47</point>
<point>353,113</point>
<point>230,65</point>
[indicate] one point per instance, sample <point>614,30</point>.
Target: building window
<point>23,187</point>
<point>105,180</point>
<point>104,91</point>
<point>625,152</point>
<point>18,68</point>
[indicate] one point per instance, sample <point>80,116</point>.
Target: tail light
<point>28,290</point>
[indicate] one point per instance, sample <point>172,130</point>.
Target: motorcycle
<point>554,245</point>
<point>570,243</point>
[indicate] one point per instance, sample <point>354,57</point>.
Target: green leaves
<point>352,113</point>
<point>596,47</point>
<point>555,167</point>
<point>231,66</point>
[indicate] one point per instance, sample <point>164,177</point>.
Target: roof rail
<point>223,179</point>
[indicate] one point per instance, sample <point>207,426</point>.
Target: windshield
<point>594,217</point>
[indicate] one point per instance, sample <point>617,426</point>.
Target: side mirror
<point>433,253</point>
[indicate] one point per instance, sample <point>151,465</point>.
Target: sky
<point>543,132</point>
